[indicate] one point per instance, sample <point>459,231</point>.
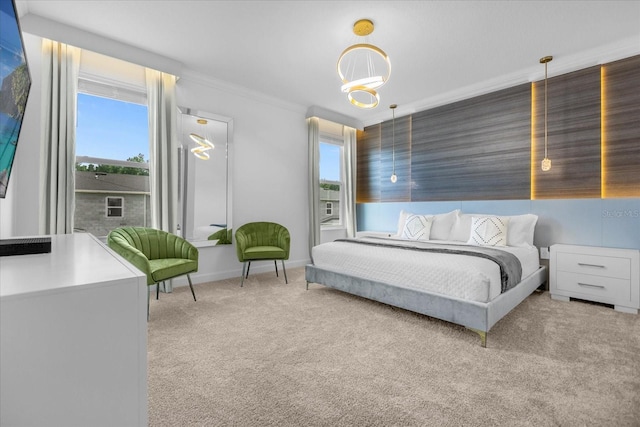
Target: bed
<point>468,269</point>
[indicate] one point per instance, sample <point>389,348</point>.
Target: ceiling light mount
<point>358,67</point>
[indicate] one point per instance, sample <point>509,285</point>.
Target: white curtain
<point>60,68</point>
<point>163,150</point>
<point>350,161</point>
<point>313,124</point>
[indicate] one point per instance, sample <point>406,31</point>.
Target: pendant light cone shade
<point>394,177</point>
<point>546,162</point>
<point>204,145</point>
<point>363,68</point>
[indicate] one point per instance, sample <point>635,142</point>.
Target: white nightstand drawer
<point>607,289</point>
<point>595,265</point>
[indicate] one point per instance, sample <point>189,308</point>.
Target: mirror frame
<point>186,197</point>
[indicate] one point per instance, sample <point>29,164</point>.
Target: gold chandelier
<point>204,145</point>
<point>363,68</point>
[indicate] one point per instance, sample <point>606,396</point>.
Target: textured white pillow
<point>440,226</point>
<point>417,227</point>
<point>488,231</point>
<point>520,233</point>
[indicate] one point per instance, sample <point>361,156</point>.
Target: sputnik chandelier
<point>204,145</point>
<point>363,68</point>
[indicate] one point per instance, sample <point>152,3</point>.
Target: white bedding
<point>465,277</point>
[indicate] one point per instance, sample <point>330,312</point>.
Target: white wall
<point>19,209</point>
<point>269,167</point>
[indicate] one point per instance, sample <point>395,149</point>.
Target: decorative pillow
<point>488,231</point>
<point>440,226</point>
<point>417,227</point>
<point>520,233</point>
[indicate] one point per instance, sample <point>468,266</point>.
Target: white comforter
<point>461,276</point>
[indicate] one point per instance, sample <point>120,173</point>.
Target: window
<point>329,210</point>
<point>331,185</point>
<point>115,206</point>
<point>112,152</point>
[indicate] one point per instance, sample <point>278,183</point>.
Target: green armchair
<point>158,254</point>
<point>261,241</point>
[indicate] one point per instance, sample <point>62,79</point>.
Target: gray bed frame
<point>476,316</point>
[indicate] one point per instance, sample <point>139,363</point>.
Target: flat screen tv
<point>15,82</point>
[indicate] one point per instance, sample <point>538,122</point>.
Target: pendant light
<point>363,68</point>
<point>546,163</point>
<point>204,145</point>
<point>394,177</point>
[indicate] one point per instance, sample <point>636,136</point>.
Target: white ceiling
<point>440,51</point>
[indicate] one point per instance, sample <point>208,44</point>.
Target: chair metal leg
<point>248,268</point>
<point>285,273</point>
<point>191,286</point>
<point>148,297</point>
<point>275,262</point>
<point>244,266</point>
<point>158,290</point>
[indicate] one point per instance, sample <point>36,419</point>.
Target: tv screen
<point>14,88</point>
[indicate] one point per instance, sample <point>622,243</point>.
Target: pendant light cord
<point>545,110</point>
<point>393,140</point>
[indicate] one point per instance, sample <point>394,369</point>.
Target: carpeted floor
<point>272,354</point>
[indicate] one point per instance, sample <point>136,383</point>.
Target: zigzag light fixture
<point>204,145</point>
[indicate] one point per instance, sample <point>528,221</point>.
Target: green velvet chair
<point>262,241</point>
<point>158,254</point>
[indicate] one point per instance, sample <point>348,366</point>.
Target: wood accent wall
<point>573,135</point>
<point>401,190</point>
<point>476,149</point>
<point>490,147</point>
<point>368,164</point>
<point>621,128</point>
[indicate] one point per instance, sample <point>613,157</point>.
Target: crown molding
<point>224,86</point>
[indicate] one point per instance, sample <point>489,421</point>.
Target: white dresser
<point>73,337</point>
<point>606,275</point>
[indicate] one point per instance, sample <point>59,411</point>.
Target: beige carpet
<point>271,354</point>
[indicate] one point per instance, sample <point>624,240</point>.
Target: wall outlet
<point>544,252</point>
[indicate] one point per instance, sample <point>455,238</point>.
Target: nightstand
<point>606,275</point>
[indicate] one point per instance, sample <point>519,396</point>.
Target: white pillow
<point>488,231</point>
<point>440,226</point>
<point>520,233</point>
<point>417,227</point>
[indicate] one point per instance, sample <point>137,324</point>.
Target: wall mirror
<point>205,187</point>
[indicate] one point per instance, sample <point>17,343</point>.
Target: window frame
<point>329,139</point>
<point>108,207</point>
<point>99,86</point>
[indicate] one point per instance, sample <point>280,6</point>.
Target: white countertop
<point>75,260</point>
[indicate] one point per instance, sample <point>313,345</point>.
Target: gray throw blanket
<point>510,267</point>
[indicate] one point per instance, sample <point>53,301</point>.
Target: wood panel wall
<point>621,125</point>
<point>476,149</point>
<point>573,130</point>
<point>490,147</point>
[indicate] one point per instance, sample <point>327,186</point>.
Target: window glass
<point>330,182</point>
<point>112,152</point>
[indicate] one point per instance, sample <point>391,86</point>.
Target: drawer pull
<point>590,285</point>
<point>590,265</point>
